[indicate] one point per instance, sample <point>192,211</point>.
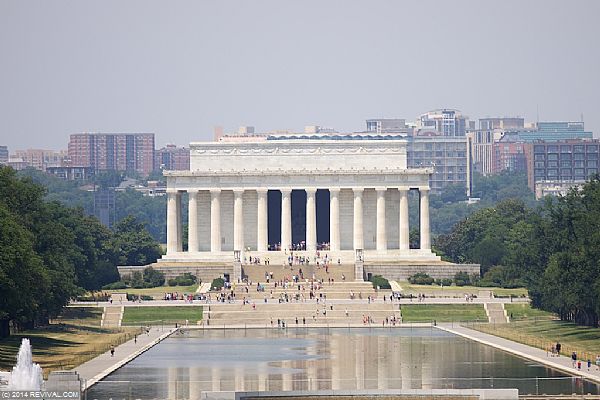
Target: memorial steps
<point>256,272</point>
<point>245,315</point>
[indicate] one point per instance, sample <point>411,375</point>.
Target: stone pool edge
<point>103,374</point>
<point>466,333</point>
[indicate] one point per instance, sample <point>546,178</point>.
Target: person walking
<point>573,359</point>
<point>112,351</point>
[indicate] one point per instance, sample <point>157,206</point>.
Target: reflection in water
<point>183,366</point>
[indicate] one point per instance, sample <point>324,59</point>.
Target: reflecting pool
<point>188,363</point>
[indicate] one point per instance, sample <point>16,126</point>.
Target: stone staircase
<point>300,292</point>
<point>496,313</point>
<point>334,305</point>
<point>256,272</point>
<point>112,316</point>
<point>309,313</point>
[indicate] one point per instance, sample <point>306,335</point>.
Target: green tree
<point>133,245</point>
<point>153,277</point>
<point>21,273</point>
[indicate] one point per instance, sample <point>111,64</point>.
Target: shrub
<point>186,279</point>
<point>380,281</point>
<point>217,283</point>
<point>115,286</point>
<point>444,282</point>
<point>462,279</point>
<point>421,279</point>
<point>153,278</point>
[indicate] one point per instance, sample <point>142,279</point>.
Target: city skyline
<point>181,71</point>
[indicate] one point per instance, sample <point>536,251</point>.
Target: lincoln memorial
<point>245,195</point>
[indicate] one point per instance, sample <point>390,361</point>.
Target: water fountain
<point>26,375</point>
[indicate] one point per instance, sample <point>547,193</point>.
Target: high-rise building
<point>41,159</point>
<point>172,158</point>
<point>445,122</point>
<point>483,139</point>
<point>115,151</point>
<point>3,154</point>
<point>562,161</point>
<point>449,157</point>
<point>511,156</point>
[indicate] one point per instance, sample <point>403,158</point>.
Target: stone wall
<point>207,273</point>
<point>437,271</point>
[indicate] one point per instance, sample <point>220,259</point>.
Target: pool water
<point>184,365</point>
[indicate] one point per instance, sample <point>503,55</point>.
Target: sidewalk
<point>562,363</point>
<point>99,367</point>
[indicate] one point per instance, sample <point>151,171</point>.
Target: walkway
<point>562,363</point>
<point>99,367</point>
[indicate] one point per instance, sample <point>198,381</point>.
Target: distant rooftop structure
<point>548,131</point>
<point>491,123</point>
<point>444,122</point>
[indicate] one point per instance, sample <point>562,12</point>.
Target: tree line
<point>50,253</point>
<point>553,249</point>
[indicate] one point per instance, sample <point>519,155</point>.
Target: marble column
<point>311,220</point>
<point>262,236</point>
<point>193,221</point>
<point>404,227</point>
<point>172,221</point>
<point>215,220</point>
<point>179,225</point>
<point>334,219</point>
<point>424,212</point>
<point>238,220</point>
<point>286,218</point>
<point>358,219</point>
<point>381,232</point>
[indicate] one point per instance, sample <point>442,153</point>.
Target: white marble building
<point>367,183</point>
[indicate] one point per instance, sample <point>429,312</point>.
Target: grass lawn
<point>161,315</point>
<point>443,312</point>
<point>157,292</point>
<point>520,311</point>
<point>458,290</point>
<point>543,333</point>
<point>70,340</point>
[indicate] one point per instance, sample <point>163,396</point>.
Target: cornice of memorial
<point>303,171</point>
<point>294,147</point>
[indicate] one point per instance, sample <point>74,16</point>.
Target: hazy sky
<point>178,68</point>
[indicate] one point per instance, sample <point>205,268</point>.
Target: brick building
<point>572,160</point>
<point>172,158</point>
<point>115,151</point>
